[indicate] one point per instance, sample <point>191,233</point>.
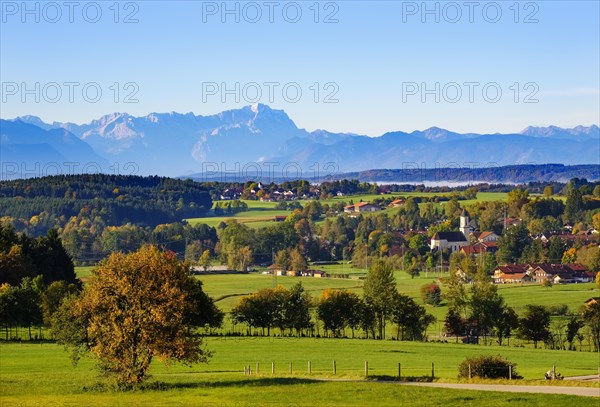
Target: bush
<point>431,294</point>
<point>488,367</point>
<point>559,309</point>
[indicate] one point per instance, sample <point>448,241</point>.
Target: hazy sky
<point>380,65</point>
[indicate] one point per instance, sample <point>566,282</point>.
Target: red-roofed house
<point>562,273</point>
<point>361,207</point>
<point>396,203</point>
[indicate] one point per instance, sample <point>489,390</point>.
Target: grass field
<point>35,375</point>
<point>41,374</point>
<point>515,295</point>
<point>261,214</point>
<point>84,271</point>
<point>221,285</point>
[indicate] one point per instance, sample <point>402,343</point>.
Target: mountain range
<point>258,138</point>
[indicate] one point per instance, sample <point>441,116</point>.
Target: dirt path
<point>573,391</point>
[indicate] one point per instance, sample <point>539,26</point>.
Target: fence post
<point>245,371</point>
<point>470,371</point>
<point>334,367</point>
<point>309,367</point>
<point>432,370</point>
<point>399,371</point>
<point>290,367</point>
<point>366,368</point>
<point>509,372</point>
<point>554,372</point>
<point>272,367</point>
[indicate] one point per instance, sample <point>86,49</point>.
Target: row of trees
<point>290,311</point>
<point>287,310</point>
<point>31,304</point>
<point>229,207</point>
<point>480,311</point>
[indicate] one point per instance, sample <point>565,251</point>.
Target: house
<point>485,236</point>
<point>349,208</point>
<point>538,273</point>
<point>512,273</point>
<point>513,221</point>
<point>366,207</point>
<point>230,194</point>
<point>514,278</point>
<point>472,250</point>
<point>448,240</point>
<point>276,270</point>
<point>592,301</point>
<point>361,207</point>
<point>561,273</point>
<point>490,247</point>
<point>280,218</point>
<point>570,239</point>
<point>397,203</point>
<point>480,248</point>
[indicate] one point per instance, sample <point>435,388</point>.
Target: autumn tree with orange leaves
<point>138,307</point>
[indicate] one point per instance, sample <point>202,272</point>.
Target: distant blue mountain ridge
<point>257,138</point>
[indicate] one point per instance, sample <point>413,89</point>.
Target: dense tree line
<point>50,202</point>
<point>22,257</point>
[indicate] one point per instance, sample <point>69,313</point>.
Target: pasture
<point>262,214</point>
<point>517,296</point>
<point>41,374</point>
<point>34,374</point>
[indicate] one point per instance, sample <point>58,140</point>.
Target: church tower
<point>464,224</point>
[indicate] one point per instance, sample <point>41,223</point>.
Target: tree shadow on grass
<point>390,378</point>
<point>395,351</point>
<point>262,381</point>
<point>211,384</point>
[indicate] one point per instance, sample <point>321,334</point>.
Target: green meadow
<point>262,214</point>
<point>232,286</point>
<point>41,374</point>
<point>35,374</point>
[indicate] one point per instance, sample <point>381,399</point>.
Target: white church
<point>454,240</point>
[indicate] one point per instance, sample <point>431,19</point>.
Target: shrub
<point>431,294</point>
<point>488,367</point>
<point>559,309</point>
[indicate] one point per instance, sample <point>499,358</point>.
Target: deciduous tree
<point>379,291</point>
<point>135,308</point>
<point>535,323</point>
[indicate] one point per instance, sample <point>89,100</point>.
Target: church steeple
<point>464,223</point>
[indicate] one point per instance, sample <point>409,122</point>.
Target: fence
<point>309,369</point>
<point>398,372</point>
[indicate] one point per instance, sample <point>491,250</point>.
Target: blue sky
<point>374,61</point>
